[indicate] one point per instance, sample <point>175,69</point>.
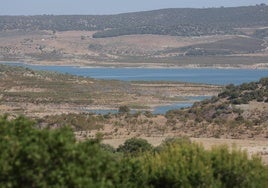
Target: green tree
<point>31,157</point>
<point>135,146</point>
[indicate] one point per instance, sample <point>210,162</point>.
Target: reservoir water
<point>197,75</point>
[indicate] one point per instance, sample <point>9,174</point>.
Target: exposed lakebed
<point>197,75</point>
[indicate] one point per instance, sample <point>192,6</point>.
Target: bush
<point>264,81</point>
<point>175,166</point>
<point>236,170</point>
<point>190,165</point>
<point>51,158</point>
<point>173,141</point>
<point>135,146</point>
<point>31,157</point>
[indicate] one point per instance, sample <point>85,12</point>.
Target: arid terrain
<point>215,37</point>
<point>180,37</point>
<point>158,111</point>
<point>40,93</point>
<point>55,100</point>
<point>80,49</point>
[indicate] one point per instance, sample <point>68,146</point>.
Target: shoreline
<point>138,66</point>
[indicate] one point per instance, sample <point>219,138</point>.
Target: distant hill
<point>177,22</point>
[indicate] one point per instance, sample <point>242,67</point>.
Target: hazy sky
<point>34,7</point>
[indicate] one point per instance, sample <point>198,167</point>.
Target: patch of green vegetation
<point>135,146</point>
<point>246,92</point>
<point>237,45</point>
<point>32,157</point>
<point>138,106</point>
<point>203,61</point>
<point>44,87</point>
<point>179,22</point>
<point>78,122</point>
<point>222,115</point>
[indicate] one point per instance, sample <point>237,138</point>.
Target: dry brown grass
<point>41,93</point>
<point>72,48</point>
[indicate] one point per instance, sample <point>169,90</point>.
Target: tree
<point>135,146</point>
<point>31,157</point>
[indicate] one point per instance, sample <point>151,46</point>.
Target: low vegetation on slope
<point>238,45</point>
<point>55,100</point>
<point>32,157</point>
<point>39,93</point>
<point>238,110</point>
<point>179,22</point>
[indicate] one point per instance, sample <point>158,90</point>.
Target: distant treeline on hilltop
<point>177,21</point>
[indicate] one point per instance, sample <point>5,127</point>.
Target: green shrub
<point>51,158</point>
<point>173,141</point>
<point>32,157</point>
<point>135,146</point>
<point>264,81</point>
<point>190,165</point>
<point>234,169</point>
<point>186,165</point>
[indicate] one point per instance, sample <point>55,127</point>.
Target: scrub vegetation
<point>49,136</point>
<point>41,93</point>
<point>179,22</point>
<point>209,37</point>
<point>32,157</point>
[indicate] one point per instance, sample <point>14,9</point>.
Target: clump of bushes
<point>222,109</point>
<point>32,157</point>
<point>78,122</point>
<point>185,164</point>
<point>135,146</point>
<point>246,92</point>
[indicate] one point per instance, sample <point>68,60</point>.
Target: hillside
<point>177,21</point>
<point>212,37</point>
<point>40,93</point>
<point>237,112</point>
<point>55,100</point>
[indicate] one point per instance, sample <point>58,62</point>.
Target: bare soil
<point>79,48</point>
<point>22,94</point>
<point>38,94</point>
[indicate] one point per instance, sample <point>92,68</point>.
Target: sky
<point>92,7</point>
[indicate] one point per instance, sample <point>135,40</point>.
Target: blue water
<point>165,108</point>
<point>159,109</point>
<point>198,75</point>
